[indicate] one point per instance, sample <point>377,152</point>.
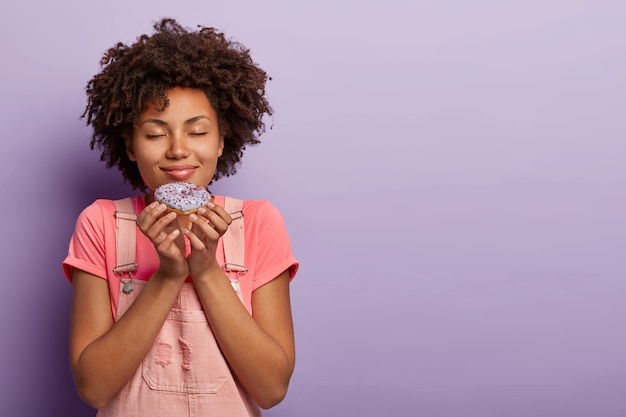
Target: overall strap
<point>233,239</point>
<point>125,241</point>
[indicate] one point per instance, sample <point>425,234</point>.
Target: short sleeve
<point>268,248</point>
<point>87,246</point>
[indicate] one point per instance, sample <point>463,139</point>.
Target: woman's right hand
<point>162,228</point>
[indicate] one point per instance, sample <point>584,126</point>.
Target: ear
<point>128,142</point>
<point>220,150</point>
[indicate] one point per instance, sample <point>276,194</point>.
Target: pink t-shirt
<point>92,246</point>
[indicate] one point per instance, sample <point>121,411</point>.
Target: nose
<point>178,148</point>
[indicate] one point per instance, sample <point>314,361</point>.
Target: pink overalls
<point>184,373</point>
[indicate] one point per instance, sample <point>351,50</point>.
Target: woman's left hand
<point>208,225</point>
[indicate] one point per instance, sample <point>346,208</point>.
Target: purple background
<point>451,173</point>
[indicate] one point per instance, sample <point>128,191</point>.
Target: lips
<point>179,172</point>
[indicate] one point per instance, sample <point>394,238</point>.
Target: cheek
<point>146,154</point>
<point>209,152</point>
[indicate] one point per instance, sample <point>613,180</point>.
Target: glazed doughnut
<point>182,197</point>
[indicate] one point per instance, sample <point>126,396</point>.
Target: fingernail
<point>161,207</point>
<point>201,210</point>
<point>193,217</point>
<point>210,205</point>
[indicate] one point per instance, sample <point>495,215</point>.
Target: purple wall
<point>451,172</point>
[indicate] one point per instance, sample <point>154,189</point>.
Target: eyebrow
<point>163,123</point>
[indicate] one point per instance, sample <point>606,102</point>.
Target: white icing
<point>182,196</point>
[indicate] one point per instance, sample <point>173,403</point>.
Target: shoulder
<point>97,211</point>
<point>261,214</point>
<point>102,211</point>
<point>264,222</point>
<point>260,209</point>
<point>261,218</point>
<point>253,210</point>
<point>106,208</point>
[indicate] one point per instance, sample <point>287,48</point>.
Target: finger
<point>203,227</point>
<point>151,212</point>
<point>216,210</point>
<point>216,220</point>
<point>159,229</point>
<point>153,219</point>
<point>197,245</point>
<point>224,215</point>
<point>167,244</point>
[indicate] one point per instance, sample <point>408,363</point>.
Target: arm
<point>105,354</point>
<point>260,349</point>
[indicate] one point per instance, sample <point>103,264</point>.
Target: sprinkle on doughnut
<point>182,197</point>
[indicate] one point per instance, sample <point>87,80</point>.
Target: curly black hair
<point>174,56</point>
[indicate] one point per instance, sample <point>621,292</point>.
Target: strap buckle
<point>231,267</point>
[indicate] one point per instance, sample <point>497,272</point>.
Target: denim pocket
<point>185,356</point>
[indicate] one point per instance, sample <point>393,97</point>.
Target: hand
<point>208,225</point>
<point>161,227</point>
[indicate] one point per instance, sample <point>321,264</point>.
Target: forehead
<point>181,103</point>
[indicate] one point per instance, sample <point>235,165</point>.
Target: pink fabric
<point>184,374</point>
<point>92,246</point>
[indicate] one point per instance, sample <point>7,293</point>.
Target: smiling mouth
<point>179,173</point>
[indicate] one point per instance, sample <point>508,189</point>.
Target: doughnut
<point>182,197</point>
